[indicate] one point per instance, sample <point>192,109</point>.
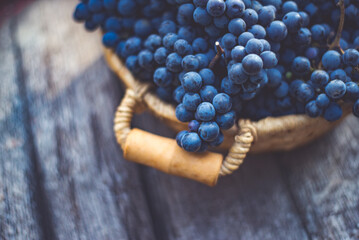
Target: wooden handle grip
<point>165,155</point>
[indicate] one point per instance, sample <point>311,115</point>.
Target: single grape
<point>179,137</point>
<point>222,103</point>
<point>205,112</point>
<point>244,38</point>
<point>183,114</point>
<point>335,89</point>
<point>250,17</point>
<point>301,65</point>
<point>226,121</point>
<point>190,63</point>
<point>252,64</point>
<point>208,76</point>
<point>237,26</point>
<point>322,100</point>
<point>191,142</point>
<point>235,8</point>
<point>333,112</point>
<point>277,31</point>
<point>269,59</point>
<point>351,57</point>
<point>293,21</point>
<point>254,46</point>
<point>319,79</point>
<point>192,82</point>
<point>208,131</point>
<point>312,109</point>
<point>237,74</point>
<point>331,60</point>
<point>191,101</point>
<point>304,93</point>
<point>207,93</point>
<point>216,7</point>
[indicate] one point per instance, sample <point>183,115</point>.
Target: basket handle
<point>165,155</point>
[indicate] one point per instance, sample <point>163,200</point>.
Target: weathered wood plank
<point>324,181</point>
<point>254,203</point>
<point>92,192</point>
<point>19,218</point>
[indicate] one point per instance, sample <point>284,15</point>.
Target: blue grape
<point>191,142</point>
<point>179,137</point>
<point>201,16</point>
<point>254,46</point>
<point>208,131</point>
<point>351,57</point>
<point>160,55</point>
<point>266,15</point>
<point>173,62</point>
<point>205,112</point>
<point>277,31</point>
<point>182,114</point>
<point>162,77</point>
<point>312,109</point>
<point>301,65</point>
<point>208,76</point>
<point>191,101</point>
<point>322,100</point>
<point>192,82</point>
<point>216,7</point>
<point>235,8</point>
<point>244,38</point>
<point>238,53</point>
<point>293,21</point>
<point>82,12</point>
<point>335,89</point>
<point>319,79</point>
<point>333,112</point>
<point>269,59</point>
<point>331,60</point>
<point>226,121</point>
<point>237,74</point>
<point>207,93</point>
<point>190,63</point>
<point>252,64</point>
<point>250,17</point>
<point>258,31</point>
<point>222,103</point>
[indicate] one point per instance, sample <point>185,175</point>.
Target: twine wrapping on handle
<point>123,117</point>
<point>212,164</point>
<point>274,133</point>
<point>241,146</point>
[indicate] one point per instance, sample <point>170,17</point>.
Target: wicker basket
<point>269,134</point>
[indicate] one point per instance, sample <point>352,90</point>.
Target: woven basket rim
<point>270,126</point>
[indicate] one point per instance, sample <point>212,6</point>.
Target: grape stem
<point>336,42</point>
<point>220,51</point>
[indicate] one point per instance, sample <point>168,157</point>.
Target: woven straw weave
<point>269,134</point>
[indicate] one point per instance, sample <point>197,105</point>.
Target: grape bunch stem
<point>336,42</point>
<point>220,52</point>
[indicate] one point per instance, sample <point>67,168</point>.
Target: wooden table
<point>62,175</point>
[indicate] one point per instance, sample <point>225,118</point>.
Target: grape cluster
<point>220,60</point>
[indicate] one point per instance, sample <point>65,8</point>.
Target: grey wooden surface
<point>62,175</point>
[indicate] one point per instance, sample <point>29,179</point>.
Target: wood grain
<point>253,203</point>
<point>62,175</point>
<point>92,193</point>
<point>19,218</point>
<point>323,179</point>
